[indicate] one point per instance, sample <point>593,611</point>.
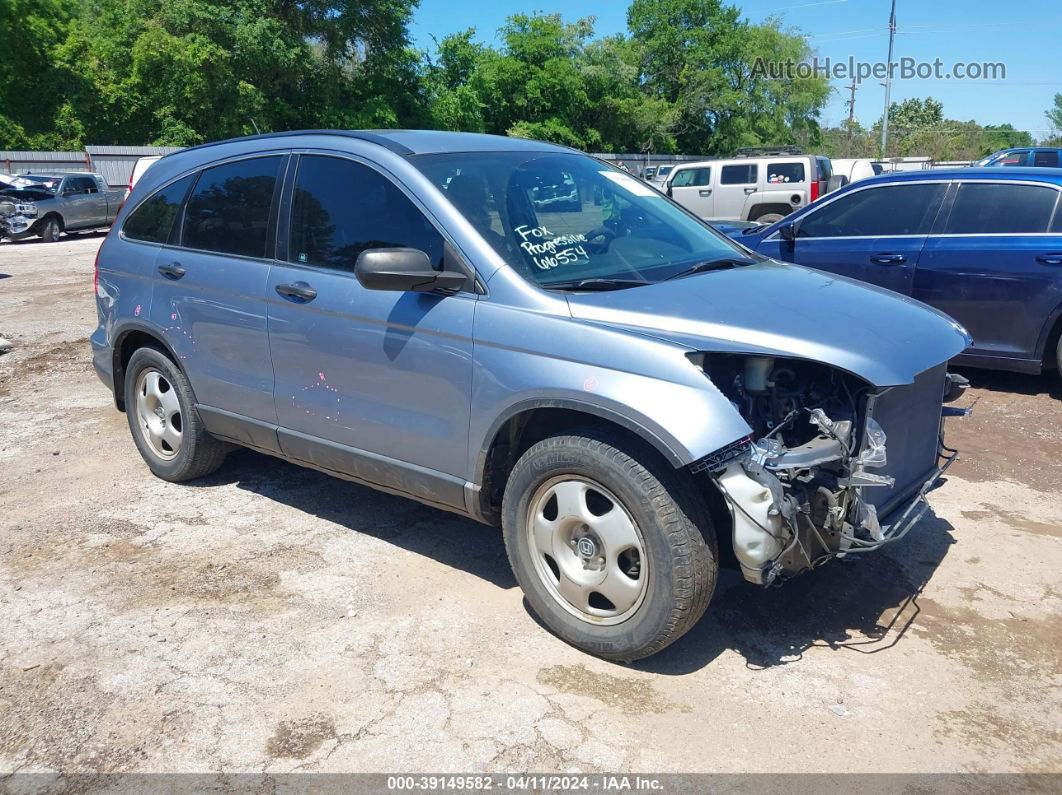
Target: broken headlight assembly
<point>804,487</point>
<point>16,216</point>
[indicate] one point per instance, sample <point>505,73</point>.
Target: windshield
<point>36,182</point>
<point>560,218</point>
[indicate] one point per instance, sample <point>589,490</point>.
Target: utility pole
<point>888,83</point>
<point>851,115</point>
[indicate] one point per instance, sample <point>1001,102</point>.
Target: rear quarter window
<point>152,221</point>
<point>778,173</point>
<point>994,208</point>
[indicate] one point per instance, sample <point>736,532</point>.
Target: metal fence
<point>114,163</point>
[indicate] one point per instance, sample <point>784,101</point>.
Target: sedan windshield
<point>568,221</point>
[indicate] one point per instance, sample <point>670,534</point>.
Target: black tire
<point>674,525</point>
<point>768,218</point>
<point>1058,356</point>
<point>199,453</point>
<point>49,229</point>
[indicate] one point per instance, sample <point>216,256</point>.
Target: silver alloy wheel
<point>158,413</point>
<point>587,550</point>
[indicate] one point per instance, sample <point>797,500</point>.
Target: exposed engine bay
<point>18,211</point>
<point>800,488</point>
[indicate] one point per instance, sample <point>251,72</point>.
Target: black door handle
<point>299,291</point>
<point>888,259</point>
<point>172,271</point>
<point>1050,259</point>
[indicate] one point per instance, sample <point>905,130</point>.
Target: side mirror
<point>788,231</point>
<point>403,270</point>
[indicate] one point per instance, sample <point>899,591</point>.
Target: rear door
<point>873,234</point>
<point>692,188</point>
<point>737,182</point>
<point>210,289</point>
<point>997,265</point>
<point>368,382</point>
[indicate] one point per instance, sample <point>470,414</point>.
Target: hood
<point>778,309</point>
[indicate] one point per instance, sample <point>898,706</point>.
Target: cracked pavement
<point>272,619</point>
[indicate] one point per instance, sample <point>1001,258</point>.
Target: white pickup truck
<point>49,204</point>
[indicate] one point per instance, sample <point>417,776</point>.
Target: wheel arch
<point>530,421</point>
<point>763,208</point>
<point>126,342</point>
<point>1047,347</point>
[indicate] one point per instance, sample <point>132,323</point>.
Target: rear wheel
<point>49,230</point>
<point>769,218</point>
<point>614,554</point>
<point>166,428</point>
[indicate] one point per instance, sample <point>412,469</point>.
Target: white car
<point>750,188</point>
<point>854,168</point>
<point>139,167</point>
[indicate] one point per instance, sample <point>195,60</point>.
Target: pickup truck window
<point>991,208</point>
<point>152,221</point>
<point>341,208</point>
<point>562,219</point>
<point>228,211</point>
<point>886,210</point>
<point>1045,159</point>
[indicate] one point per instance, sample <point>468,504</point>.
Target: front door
<point>997,268</point>
<point>875,235</point>
<point>692,188</point>
<point>371,383</point>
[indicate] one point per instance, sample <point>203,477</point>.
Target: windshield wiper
<point>594,284</point>
<point>711,265</point>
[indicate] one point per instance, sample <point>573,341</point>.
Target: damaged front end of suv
<point>834,466</point>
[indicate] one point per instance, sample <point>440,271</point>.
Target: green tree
<point>701,57</point>
<point>1054,114</point>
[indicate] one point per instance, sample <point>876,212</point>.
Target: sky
<point>1024,36</point>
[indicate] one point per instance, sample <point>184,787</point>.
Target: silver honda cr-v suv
<point>522,334</point>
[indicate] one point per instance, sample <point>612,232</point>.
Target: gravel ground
<point>270,618</point>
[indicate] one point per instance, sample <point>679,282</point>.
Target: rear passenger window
<point>691,177</point>
<point>876,212</point>
<point>785,172</point>
<point>152,221</point>
<point>1045,159</point>
<point>995,209</point>
<point>228,212</point>
<point>738,175</point>
<point>341,208</point>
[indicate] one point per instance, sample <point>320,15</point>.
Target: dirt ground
<point>270,618</point>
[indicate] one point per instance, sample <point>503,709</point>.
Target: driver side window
<point>885,211</point>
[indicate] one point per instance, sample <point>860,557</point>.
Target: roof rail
<point>372,136</point>
<point>766,151</point>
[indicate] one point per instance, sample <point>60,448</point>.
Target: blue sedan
<point>983,245</point>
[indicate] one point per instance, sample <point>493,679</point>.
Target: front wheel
<point>49,230</point>
<point>615,555</point>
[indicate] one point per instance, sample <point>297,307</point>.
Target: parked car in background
<point>983,245</point>
<point>50,204</point>
<point>752,188</point>
<point>620,387</point>
<point>1036,156</point>
<point>854,169</point>
<point>139,167</point>
<point>661,174</point>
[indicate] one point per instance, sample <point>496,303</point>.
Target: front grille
<point>910,415</point>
